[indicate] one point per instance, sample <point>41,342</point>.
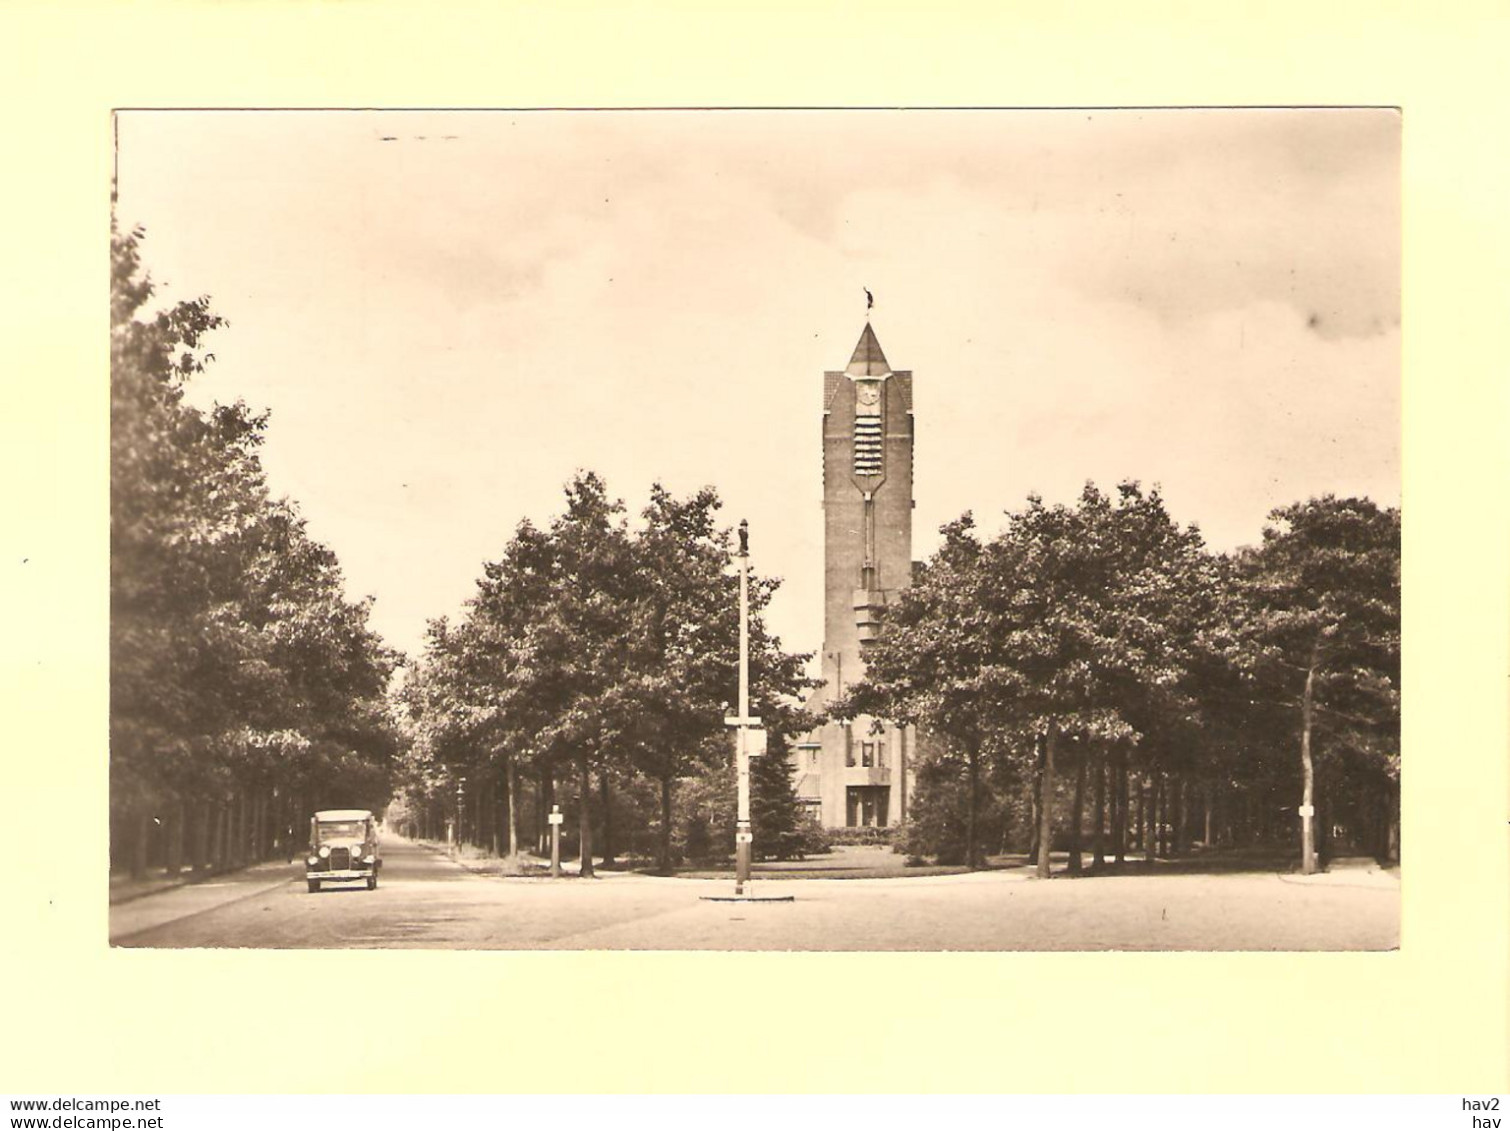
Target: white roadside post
<point>1307,815</point>
<point>555,819</point>
<point>747,742</point>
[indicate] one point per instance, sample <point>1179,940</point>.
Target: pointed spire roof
<point>868,360</point>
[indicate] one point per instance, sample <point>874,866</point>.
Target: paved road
<point>426,901</point>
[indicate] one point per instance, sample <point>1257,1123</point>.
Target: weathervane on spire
<point>870,301</point>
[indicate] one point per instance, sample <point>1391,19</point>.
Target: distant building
<point>846,775</point>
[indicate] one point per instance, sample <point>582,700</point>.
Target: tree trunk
<point>1162,825</point>
<point>175,841</point>
<point>139,838</point>
<point>1152,816</point>
<point>235,829</point>
<point>503,807</point>
<point>1077,811</point>
<point>1308,773</point>
<point>1187,815</point>
<point>1035,791</point>
<point>225,854</point>
<point>200,847</point>
<point>1098,803</point>
<point>1046,805</point>
<point>243,830</point>
<point>1394,822</point>
<point>666,823</point>
<point>1035,786</point>
<point>255,815</point>
<point>207,838</point>
<point>1385,839</point>
<point>1186,839</point>
<point>511,811</point>
<point>230,832</point>
<point>584,819</point>
<point>1149,814</point>
<point>972,810</point>
<point>1141,840</point>
<point>1172,815</point>
<point>487,826</point>
<point>1119,829</point>
<point>606,794</point>
<point>1177,814</point>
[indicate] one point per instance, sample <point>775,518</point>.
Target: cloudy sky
<point>447,314</point>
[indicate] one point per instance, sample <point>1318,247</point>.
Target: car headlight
<point>313,860</point>
<point>369,859</point>
<point>324,851</point>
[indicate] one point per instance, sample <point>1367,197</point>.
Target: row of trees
<point>1181,689</point>
<point>1093,655</point>
<point>595,663</point>
<point>245,689</point>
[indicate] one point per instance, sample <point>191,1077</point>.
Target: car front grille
<point>340,859</point>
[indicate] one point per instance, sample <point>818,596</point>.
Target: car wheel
<point>372,883</point>
<point>314,885</point>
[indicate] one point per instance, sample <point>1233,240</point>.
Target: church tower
<point>847,775</point>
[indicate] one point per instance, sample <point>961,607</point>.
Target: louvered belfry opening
<point>868,444</point>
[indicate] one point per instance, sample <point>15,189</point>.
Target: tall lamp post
<point>746,742</point>
<point>461,808</point>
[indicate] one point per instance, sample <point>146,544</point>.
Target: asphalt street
<point>424,900</point>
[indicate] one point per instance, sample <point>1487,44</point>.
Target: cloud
<point>445,331</point>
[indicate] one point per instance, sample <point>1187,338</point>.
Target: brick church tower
<point>846,775</point>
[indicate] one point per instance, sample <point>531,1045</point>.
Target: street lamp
<point>746,740</point>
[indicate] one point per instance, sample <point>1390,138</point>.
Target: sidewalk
<point>124,888</point>
<point>145,904</point>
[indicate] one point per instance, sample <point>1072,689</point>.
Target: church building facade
<point>858,774</point>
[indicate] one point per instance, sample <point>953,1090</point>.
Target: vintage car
<point>343,846</point>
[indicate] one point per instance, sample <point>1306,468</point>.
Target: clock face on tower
<point>869,395</point>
